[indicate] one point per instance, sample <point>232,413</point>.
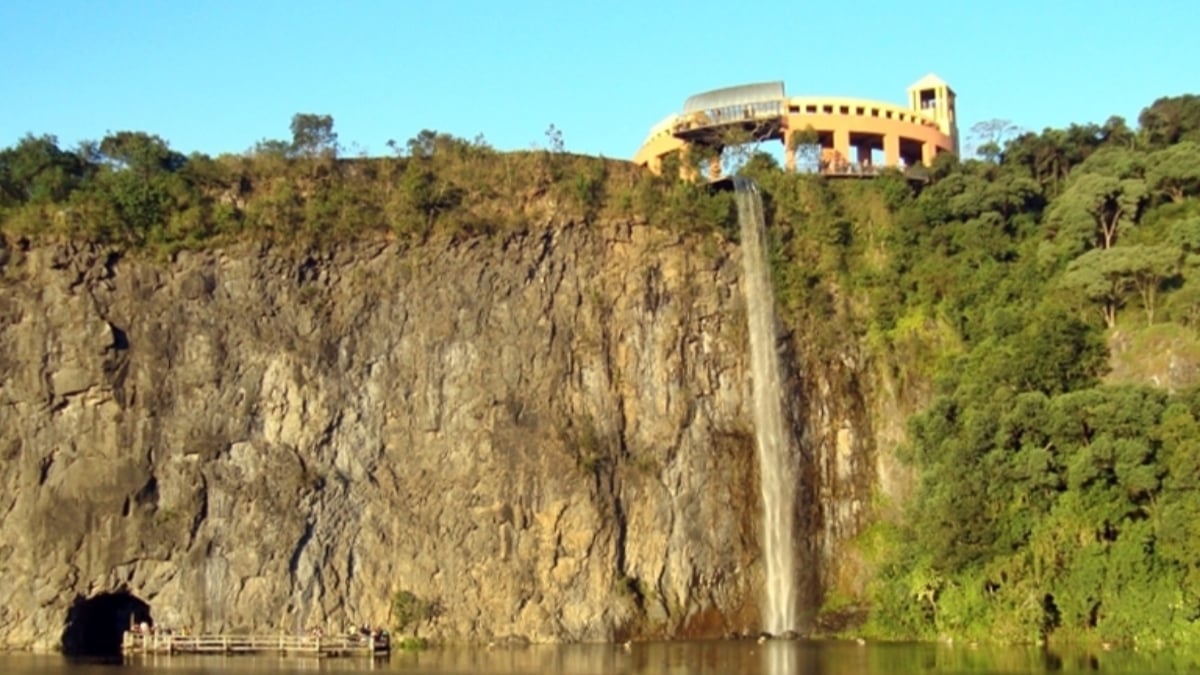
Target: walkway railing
<point>168,643</point>
<point>729,115</point>
<point>850,169</point>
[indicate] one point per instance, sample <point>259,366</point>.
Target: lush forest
<point>1048,295</point>
<point>1042,301</point>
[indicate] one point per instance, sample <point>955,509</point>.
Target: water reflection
<point>782,658</point>
<point>777,657</point>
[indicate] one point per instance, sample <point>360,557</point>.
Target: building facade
<point>850,136</point>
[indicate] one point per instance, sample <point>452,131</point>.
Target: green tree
<point>313,135</point>
<point>1113,161</point>
<point>408,610</point>
<point>429,143</point>
<point>1054,353</point>
<point>1051,155</point>
<point>1175,170</point>
<point>1176,519</point>
<point>1150,268</point>
<point>989,136</point>
<point>1171,119</point>
<point>37,171</point>
<point>1183,303</point>
<point>1101,277</point>
<point>141,183</point>
<point>1185,233</point>
<point>735,148</point>
<point>423,144</point>
<point>1093,210</point>
<point>271,148</point>
<point>1117,132</point>
<point>426,194</point>
<point>759,164</point>
<point>144,154</point>
<point>806,144</point>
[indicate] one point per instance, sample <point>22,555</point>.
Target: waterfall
<point>772,437</point>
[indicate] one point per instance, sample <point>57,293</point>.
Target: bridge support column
<point>841,144</point>
<point>789,158</point>
<point>927,153</point>
<point>891,150</point>
<point>863,155</point>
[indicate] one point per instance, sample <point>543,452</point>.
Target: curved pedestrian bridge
<point>848,136</point>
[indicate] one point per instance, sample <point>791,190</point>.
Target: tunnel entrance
<point>95,625</point>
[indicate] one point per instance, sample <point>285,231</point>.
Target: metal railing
<point>729,115</point>
<point>332,645</point>
<point>853,169</point>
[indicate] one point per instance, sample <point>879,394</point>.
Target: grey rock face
<point>546,437</point>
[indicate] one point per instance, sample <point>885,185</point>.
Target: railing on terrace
<point>856,170</point>
<point>731,114</point>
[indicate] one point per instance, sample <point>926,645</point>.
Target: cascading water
<point>773,439</point>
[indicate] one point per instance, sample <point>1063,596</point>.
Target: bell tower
<point>933,98</point>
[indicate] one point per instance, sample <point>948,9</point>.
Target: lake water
<point>729,657</point>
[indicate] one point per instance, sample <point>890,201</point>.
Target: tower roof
<point>930,81</point>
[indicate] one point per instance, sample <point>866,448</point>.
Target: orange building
<point>854,136</point>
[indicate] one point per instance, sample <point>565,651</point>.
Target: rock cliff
<point>545,437</point>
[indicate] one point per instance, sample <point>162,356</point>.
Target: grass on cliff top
<point>133,192</point>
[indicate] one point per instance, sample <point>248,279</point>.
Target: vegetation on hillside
<point>1052,502</point>
<point>131,190</point>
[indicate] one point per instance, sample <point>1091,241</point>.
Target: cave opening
<point>95,626</point>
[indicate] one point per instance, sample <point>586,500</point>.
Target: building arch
<point>856,136</point>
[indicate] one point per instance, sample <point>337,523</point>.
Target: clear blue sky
<point>219,75</point>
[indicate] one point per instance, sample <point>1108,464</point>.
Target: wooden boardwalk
<point>290,645</point>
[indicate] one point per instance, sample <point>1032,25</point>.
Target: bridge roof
<point>743,94</point>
